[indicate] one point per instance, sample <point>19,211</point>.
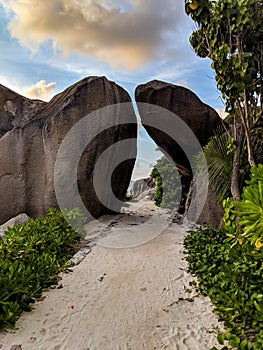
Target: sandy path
<point>120,299</point>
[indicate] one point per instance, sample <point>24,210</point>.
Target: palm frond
<point>219,163</point>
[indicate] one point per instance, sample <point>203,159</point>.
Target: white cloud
<point>125,34</point>
<point>41,90</point>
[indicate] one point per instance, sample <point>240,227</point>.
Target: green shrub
<point>168,184</point>
<point>228,263</point>
<point>249,211</point>
<point>232,278</point>
<point>31,254</point>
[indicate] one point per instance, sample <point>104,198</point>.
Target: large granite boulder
<point>201,118</point>
<point>182,103</point>
<point>212,211</point>
<point>32,132</point>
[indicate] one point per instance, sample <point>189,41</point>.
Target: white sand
<point>122,299</point>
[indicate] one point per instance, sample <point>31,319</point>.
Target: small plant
<point>31,254</point>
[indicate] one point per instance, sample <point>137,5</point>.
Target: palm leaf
<point>219,163</point>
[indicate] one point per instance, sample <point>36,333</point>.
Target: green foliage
<point>229,266</point>
<point>219,156</point>
<point>256,175</point>
<point>230,145</point>
<point>158,196</point>
<point>168,184</point>
<point>232,277</point>
<point>31,255</point>
<point>249,226</point>
<point>230,34</point>
<point>74,217</point>
<point>219,163</point>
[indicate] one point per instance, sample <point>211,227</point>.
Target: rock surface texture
<point>213,211</point>
<point>143,188</point>
<point>183,103</point>
<point>200,118</point>
<point>31,132</point>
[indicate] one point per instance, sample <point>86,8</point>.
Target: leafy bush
<point>249,227</point>
<point>228,263</point>
<point>168,184</point>
<point>31,254</point>
<point>232,278</point>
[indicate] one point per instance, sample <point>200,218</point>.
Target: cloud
<point>41,90</point>
<point>125,34</point>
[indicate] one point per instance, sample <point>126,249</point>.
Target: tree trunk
<point>245,116</point>
<point>238,135</point>
<point>250,152</point>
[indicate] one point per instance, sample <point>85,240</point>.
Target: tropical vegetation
<point>169,187</point>
<point>228,261</point>
<point>31,255</point>
<point>230,34</point>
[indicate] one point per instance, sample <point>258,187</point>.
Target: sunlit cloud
<point>125,34</point>
<point>41,90</point>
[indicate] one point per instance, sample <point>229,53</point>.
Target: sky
<point>45,46</point>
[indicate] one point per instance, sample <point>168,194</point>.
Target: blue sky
<point>45,46</point>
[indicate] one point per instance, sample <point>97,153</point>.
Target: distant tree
<point>230,33</point>
<point>169,187</point>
